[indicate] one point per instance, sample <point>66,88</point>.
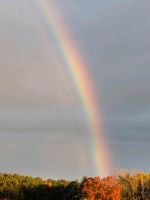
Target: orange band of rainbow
<point>82,82</point>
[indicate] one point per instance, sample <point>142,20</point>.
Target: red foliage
<point>100,189</point>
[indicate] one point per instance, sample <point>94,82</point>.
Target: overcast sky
<point>43,127</point>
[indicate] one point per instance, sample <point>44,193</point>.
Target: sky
<point>43,126</point>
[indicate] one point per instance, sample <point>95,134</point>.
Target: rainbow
<point>82,82</point>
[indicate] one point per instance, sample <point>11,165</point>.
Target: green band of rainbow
<point>82,82</point>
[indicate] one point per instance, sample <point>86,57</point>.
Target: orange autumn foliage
<point>100,189</point>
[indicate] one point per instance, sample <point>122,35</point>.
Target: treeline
<point>134,185</point>
<point>16,187</point>
<point>124,186</point>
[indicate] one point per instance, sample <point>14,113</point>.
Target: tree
<point>102,189</point>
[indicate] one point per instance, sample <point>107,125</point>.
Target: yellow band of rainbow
<point>82,81</point>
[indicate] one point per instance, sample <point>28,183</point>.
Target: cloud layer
<point>43,128</point>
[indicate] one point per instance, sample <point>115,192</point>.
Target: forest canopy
<point>121,186</point>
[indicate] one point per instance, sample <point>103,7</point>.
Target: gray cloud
<point>116,43</point>
<point>43,128</point>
